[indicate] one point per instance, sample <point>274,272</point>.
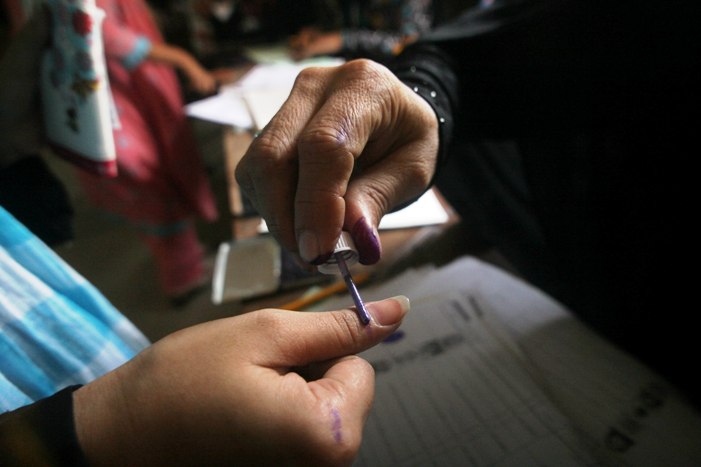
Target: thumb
<point>320,336</point>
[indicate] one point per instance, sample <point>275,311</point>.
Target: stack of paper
<point>253,100</point>
<point>487,370</point>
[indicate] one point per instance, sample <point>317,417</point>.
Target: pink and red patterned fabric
<point>162,183</point>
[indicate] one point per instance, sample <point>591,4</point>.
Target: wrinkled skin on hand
<point>270,387</point>
<point>350,143</point>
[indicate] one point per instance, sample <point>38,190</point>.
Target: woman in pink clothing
<point>161,186</point>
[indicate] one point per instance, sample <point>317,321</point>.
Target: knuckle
<point>319,199</point>
<point>379,192</point>
<point>269,320</point>
<point>363,69</point>
<point>379,205</point>
<point>266,156</point>
<point>321,449</point>
<point>271,323</point>
<point>269,146</point>
<point>242,172</point>
<point>345,329</point>
<point>325,145</point>
<point>309,79</point>
<point>417,173</point>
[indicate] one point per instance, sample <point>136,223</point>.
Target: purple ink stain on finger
<point>367,242</point>
<point>336,426</point>
<point>394,337</point>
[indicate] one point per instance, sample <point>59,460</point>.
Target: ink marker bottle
<point>345,255</point>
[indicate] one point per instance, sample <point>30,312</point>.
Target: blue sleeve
<point>141,49</point>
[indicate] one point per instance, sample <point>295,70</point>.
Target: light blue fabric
<point>138,54</point>
<point>56,329</point>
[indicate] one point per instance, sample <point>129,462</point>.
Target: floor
<point>111,257</point>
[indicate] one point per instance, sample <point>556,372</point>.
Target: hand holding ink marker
<point>345,254</point>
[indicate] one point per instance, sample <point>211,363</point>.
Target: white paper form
<point>256,97</point>
<point>628,413</point>
<point>427,210</point>
<point>450,393</point>
<point>225,108</point>
<point>487,370</point>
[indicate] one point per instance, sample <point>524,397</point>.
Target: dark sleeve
<point>457,68</point>
<point>430,73</point>
<point>414,17</point>
<point>507,67</point>
<point>368,43</point>
<point>530,67</point>
<point>42,433</point>
<point>38,199</point>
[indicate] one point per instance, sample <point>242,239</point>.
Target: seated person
<point>231,23</point>
<point>377,29</point>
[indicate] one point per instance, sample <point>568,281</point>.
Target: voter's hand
<point>270,387</point>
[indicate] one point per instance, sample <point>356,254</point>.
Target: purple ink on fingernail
<point>366,241</point>
<point>336,426</point>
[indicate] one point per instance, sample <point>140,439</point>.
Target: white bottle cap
<point>346,247</point>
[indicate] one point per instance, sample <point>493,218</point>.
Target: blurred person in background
<point>224,26</point>
<point>162,186</point>
<point>376,29</point>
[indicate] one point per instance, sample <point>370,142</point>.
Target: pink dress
<point>162,184</point>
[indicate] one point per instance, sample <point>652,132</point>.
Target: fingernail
<point>308,246</point>
<point>301,264</point>
<point>367,241</point>
<point>386,315</point>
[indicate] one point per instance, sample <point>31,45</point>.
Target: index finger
<point>354,108</point>
<point>267,173</point>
